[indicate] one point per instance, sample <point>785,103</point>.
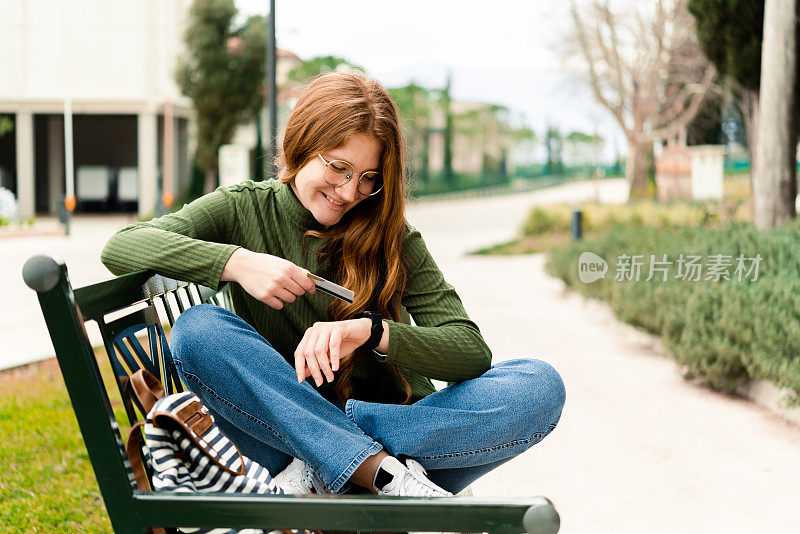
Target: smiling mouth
<point>334,202</point>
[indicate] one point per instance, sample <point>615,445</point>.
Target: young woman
<point>298,374</point>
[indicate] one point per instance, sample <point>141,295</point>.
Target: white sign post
<point>234,164</point>
<point>707,171</point>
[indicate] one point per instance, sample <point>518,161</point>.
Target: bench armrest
<point>351,512</point>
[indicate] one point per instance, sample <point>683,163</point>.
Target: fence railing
<point>514,185</point>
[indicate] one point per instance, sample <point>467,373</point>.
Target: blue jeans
<point>458,433</point>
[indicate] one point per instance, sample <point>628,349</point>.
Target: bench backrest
<point>130,312</point>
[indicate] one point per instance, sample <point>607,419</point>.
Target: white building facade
<point>112,62</point>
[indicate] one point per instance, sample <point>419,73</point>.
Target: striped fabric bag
<point>186,451</point>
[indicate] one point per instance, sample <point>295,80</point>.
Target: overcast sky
<point>500,51</point>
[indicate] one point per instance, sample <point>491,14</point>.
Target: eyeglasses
<point>338,172</point>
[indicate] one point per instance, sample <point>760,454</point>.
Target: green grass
<point>526,244</point>
<point>47,483</point>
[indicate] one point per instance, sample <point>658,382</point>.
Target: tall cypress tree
<point>223,73</point>
<point>415,103</point>
<point>730,34</point>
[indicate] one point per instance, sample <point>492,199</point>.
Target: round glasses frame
<point>349,175</point>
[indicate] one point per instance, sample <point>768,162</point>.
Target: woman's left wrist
<point>365,329</point>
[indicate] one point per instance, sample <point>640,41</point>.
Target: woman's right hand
<point>270,279</point>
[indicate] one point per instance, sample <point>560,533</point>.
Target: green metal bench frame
<point>134,511</point>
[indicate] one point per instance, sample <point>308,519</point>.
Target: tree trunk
<point>748,104</point>
<point>211,180</point>
<point>636,170</point>
<point>447,164</point>
<point>775,178</point>
<point>794,133</point>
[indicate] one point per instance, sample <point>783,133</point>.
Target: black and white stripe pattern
<point>180,465</point>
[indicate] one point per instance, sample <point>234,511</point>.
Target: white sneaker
<point>409,480</point>
<point>300,479</point>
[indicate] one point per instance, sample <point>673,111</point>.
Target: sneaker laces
<point>313,481</point>
<point>300,479</point>
<point>412,482</point>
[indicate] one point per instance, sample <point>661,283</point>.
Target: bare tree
<point>644,66</point>
<point>775,175</point>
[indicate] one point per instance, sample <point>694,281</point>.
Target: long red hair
<point>364,247</point>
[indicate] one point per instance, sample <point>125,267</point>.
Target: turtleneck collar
<point>291,205</point>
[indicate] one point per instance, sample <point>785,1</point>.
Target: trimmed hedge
<point>719,331</point>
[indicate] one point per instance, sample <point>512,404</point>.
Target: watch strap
<point>376,330</point>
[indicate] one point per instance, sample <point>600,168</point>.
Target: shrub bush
<point>721,331</point>
<point>539,222</point>
<point>662,215</point>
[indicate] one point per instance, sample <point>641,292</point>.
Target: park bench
<point>130,312</point>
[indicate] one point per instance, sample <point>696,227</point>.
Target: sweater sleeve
<point>445,344</point>
<point>192,244</point>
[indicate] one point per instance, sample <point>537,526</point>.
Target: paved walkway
<point>23,334</point>
<point>638,450</point>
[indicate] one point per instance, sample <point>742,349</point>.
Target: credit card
<point>335,290</point>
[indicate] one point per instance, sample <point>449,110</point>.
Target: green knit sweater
<point>194,245</point>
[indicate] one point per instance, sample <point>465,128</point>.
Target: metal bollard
<point>577,225</point>
<point>64,217</point>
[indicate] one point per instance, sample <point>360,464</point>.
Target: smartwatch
<point>376,331</point>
